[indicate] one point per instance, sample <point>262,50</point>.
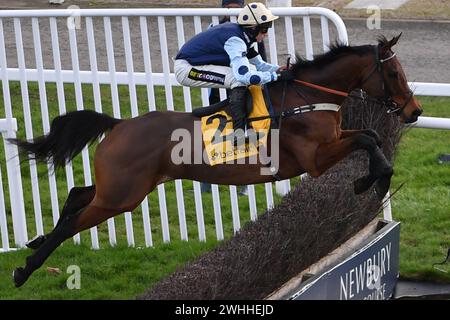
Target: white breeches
<point>206,76</point>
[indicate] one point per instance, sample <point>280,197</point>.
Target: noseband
<point>387,100</point>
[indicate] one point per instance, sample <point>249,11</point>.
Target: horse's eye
<point>393,74</point>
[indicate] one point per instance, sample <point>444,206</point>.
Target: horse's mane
<point>336,51</point>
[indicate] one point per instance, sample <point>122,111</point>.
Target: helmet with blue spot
<point>256,14</point>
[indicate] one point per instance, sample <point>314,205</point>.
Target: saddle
<point>217,128</point>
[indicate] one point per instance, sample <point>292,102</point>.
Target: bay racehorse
<point>136,154</point>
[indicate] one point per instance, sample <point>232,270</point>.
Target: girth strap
<point>301,109</point>
<point>311,107</point>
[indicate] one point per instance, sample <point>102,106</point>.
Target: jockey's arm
<point>240,64</point>
<point>261,65</point>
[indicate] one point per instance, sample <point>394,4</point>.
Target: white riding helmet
<point>255,14</point>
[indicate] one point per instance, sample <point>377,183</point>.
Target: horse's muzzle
<point>414,116</point>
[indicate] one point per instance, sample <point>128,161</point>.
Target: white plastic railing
<point>116,27</point>
<point>113,31</point>
<point>432,123</point>
<point>430,89</point>
<point>426,89</point>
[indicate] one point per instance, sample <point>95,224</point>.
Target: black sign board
<point>369,273</point>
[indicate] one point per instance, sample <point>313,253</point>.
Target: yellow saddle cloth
<point>217,130</point>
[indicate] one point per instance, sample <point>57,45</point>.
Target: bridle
<point>387,100</point>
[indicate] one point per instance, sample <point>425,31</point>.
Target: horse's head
<point>386,80</point>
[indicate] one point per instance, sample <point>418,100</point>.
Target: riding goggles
<point>264,28</point>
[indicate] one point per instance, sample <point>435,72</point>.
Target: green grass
<point>138,268</point>
<point>422,204</point>
<point>110,273</point>
<point>123,273</point>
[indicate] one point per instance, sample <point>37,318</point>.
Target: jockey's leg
<point>205,76</point>
<point>238,113</point>
<point>212,76</point>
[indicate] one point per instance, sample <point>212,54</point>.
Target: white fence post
<point>107,47</point>
<point>11,154</point>
<point>8,128</point>
<point>3,221</point>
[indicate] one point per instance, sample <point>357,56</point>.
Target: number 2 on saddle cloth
<point>217,131</point>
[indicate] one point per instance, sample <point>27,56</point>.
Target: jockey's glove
<point>285,75</point>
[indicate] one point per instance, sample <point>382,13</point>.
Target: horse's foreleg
<point>379,168</point>
<point>370,132</point>
<point>78,198</point>
<point>328,154</point>
<point>383,182</point>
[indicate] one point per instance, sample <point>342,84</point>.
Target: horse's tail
<point>68,135</point>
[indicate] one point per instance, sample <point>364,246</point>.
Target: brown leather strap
<point>321,88</point>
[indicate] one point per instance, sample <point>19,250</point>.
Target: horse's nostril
<point>417,112</point>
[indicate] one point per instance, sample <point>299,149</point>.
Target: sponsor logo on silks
<point>206,76</point>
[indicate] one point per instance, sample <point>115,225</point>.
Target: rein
<point>387,100</point>
<point>321,88</point>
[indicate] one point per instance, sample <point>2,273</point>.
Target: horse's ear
<point>394,40</point>
<point>386,45</point>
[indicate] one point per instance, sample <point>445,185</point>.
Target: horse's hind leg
<point>78,198</point>
<point>60,233</point>
<point>68,226</point>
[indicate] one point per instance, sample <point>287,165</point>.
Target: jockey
<point>220,57</point>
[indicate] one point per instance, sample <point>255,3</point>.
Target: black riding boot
<point>238,113</point>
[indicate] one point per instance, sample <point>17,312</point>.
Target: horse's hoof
<point>36,242</point>
<point>19,277</point>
